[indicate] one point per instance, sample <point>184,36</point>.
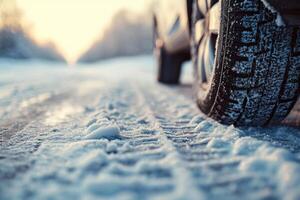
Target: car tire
<point>256,67</point>
<point>169,67</point>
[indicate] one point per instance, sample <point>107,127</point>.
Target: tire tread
<point>266,88</point>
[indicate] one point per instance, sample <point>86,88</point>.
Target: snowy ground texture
<point>109,131</point>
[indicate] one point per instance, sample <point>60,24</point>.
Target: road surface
<point>109,131</point>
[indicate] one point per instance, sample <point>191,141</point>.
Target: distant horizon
<point>69,31</point>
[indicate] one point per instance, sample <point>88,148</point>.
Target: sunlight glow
<point>73,24</point>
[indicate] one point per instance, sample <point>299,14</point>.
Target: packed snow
<point>109,131</point>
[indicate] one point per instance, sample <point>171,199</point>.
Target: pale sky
<point>73,24</point>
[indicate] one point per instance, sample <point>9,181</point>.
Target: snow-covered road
<point>109,131</point>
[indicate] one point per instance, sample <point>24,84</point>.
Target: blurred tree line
<point>129,34</point>
<point>15,39</point>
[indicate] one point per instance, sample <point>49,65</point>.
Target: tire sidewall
<point>206,96</point>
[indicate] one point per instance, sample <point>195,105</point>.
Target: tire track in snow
<point>184,181</point>
<point>224,158</point>
<point>166,149</point>
<point>213,158</point>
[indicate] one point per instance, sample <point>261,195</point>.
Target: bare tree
<point>129,34</point>
<point>15,40</point>
<point>10,14</point>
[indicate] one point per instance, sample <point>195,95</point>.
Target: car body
<point>173,18</point>
<point>245,54</point>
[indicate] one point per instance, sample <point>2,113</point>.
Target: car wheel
<point>247,64</point>
<point>169,65</point>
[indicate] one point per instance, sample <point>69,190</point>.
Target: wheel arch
<point>189,11</point>
<point>289,10</point>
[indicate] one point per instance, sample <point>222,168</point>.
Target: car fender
<point>289,10</point>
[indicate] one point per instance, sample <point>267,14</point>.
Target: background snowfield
<point>109,131</point>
